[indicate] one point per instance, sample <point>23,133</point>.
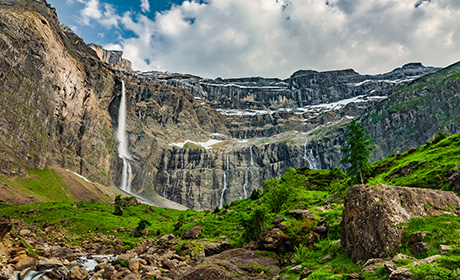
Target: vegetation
<point>319,192</point>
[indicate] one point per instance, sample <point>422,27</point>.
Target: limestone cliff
<point>54,96</point>
<point>113,58</point>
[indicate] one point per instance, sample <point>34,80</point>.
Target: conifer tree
<point>357,150</point>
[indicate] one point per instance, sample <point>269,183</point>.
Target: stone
<point>297,268</point>
<point>166,238</point>
<point>272,239</point>
<point>170,264</point>
<point>372,264</point>
<point>321,229</point>
<point>105,270</point>
<point>44,263</point>
<point>5,225</point>
<point>278,220</point>
<point>454,180</point>
<point>192,233</point>
<point>418,248</point>
<point>78,273</point>
<point>326,258</point>
<point>301,213</point>
<point>417,236</point>
<point>133,264</point>
<point>25,232</point>
<point>369,229</point>
<point>24,262</point>
<point>64,253</point>
<point>353,276</point>
<point>402,273</point>
<point>444,249</point>
<point>216,248</point>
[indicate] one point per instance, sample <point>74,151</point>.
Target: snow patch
<point>207,145</point>
<point>79,175</point>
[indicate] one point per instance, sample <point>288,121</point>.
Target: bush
<point>118,210</point>
<point>256,194</point>
<point>440,136</point>
<point>255,223</point>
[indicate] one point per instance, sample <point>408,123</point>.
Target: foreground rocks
<point>372,214</point>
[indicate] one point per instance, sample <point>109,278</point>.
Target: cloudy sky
<point>270,38</point>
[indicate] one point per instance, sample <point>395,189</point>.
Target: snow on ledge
<point>84,178</point>
<point>207,145</point>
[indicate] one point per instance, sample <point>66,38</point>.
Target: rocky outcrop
<point>113,58</point>
<point>371,216</point>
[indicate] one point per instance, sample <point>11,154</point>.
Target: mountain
<point>199,142</point>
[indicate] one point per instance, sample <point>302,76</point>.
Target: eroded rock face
<point>371,216</point>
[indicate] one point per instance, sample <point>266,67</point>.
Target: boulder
<point>5,225</point>
<point>192,233</point>
<point>78,273</point>
<point>371,216</point>
<point>417,236</point>
<point>24,262</point>
<point>444,249</point>
<point>418,248</point>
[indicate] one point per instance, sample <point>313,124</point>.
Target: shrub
<point>431,272</point>
<point>118,210</point>
<point>255,223</point>
<point>256,194</point>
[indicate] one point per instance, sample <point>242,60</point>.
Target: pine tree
<point>357,150</point>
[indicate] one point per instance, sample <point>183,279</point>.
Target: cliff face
<point>54,96</point>
<point>113,58</point>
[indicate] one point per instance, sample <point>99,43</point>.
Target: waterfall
<point>225,182</point>
<point>246,174</point>
<point>309,157</point>
<point>123,151</point>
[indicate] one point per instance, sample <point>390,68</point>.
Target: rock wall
<point>54,96</point>
<point>113,58</point>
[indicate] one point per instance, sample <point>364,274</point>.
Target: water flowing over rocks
<point>371,216</point>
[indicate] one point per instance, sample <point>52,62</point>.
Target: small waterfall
<point>246,174</point>
<point>309,157</point>
<point>225,182</point>
<point>123,151</point>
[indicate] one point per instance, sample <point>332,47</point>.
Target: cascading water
<point>246,174</point>
<point>309,157</point>
<point>225,182</point>
<point>123,151</point>
<point>168,177</point>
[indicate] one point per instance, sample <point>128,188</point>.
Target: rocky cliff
<point>54,96</point>
<point>113,58</point>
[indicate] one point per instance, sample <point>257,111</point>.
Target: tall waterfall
<point>168,176</point>
<point>246,174</point>
<point>225,182</point>
<point>309,157</point>
<point>123,151</point>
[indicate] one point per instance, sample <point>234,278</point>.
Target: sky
<point>269,38</point>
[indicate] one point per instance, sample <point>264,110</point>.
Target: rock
<point>64,254</point>
<point>192,233</point>
<point>353,276</point>
<point>372,264</point>
<point>297,268</point>
<point>25,262</point>
<point>104,270</point>
<point>25,232</point>
<point>272,239</point>
<point>78,273</point>
<point>44,263</point>
<point>166,238</point>
<point>372,213</point>
<point>170,264</point>
<point>303,213</point>
<point>402,273</point>
<point>454,180</point>
<point>278,220</point>
<point>417,236</point>
<point>444,249</point>
<point>133,264</point>
<point>403,257</point>
<point>207,272</point>
<point>5,226</point>
<point>321,229</point>
<point>426,260</point>
<point>216,248</point>
<point>418,248</point>
<point>326,258</point>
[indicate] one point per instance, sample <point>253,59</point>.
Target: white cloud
<point>145,6</point>
<point>274,38</point>
<point>91,11</point>
<point>107,16</point>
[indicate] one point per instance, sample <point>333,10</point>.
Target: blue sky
<point>270,38</point>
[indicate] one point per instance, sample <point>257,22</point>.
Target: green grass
<point>44,184</point>
<point>429,166</point>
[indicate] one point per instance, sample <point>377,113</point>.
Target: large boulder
<point>370,219</point>
<point>5,225</point>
